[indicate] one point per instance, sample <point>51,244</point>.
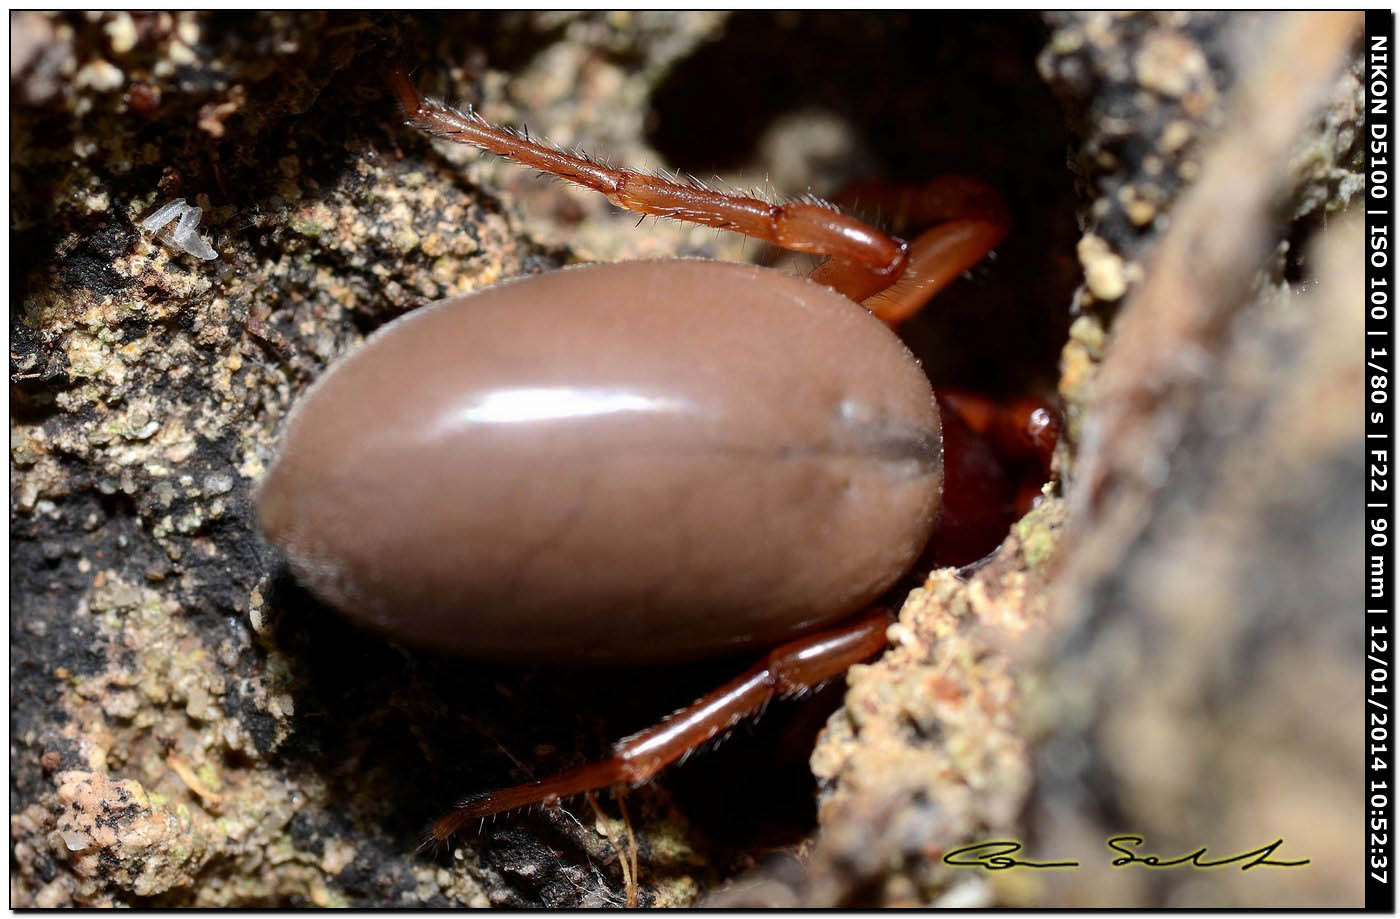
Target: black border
<point>1380,431</point>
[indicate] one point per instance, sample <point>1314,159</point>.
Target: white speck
<point>99,75</point>
<point>75,840</point>
<point>218,484</point>
<point>183,235</point>
<point>853,411</point>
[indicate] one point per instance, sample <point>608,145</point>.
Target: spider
<point>655,461</point>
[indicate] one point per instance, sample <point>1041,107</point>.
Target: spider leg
<point>961,221</point>
<point>801,226</point>
<point>788,670</point>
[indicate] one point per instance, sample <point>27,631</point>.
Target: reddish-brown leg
<point>792,668</point>
<point>1025,428</point>
<point>891,277</point>
<point>996,457</point>
<point>961,221</point>
<point>936,258</point>
<point>798,225</point>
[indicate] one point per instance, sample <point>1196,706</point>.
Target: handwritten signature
<point>997,855</point>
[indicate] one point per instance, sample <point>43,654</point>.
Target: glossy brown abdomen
<point>631,462</point>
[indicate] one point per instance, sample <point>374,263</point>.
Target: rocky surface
<point>1202,686</point>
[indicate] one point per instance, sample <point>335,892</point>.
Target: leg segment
<point>790,669</point>
<point>996,457</point>
<point>1024,429</point>
<point>969,220</point>
<point>936,258</point>
<point>798,226</point>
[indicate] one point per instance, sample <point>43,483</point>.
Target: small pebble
<point>1103,270</point>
